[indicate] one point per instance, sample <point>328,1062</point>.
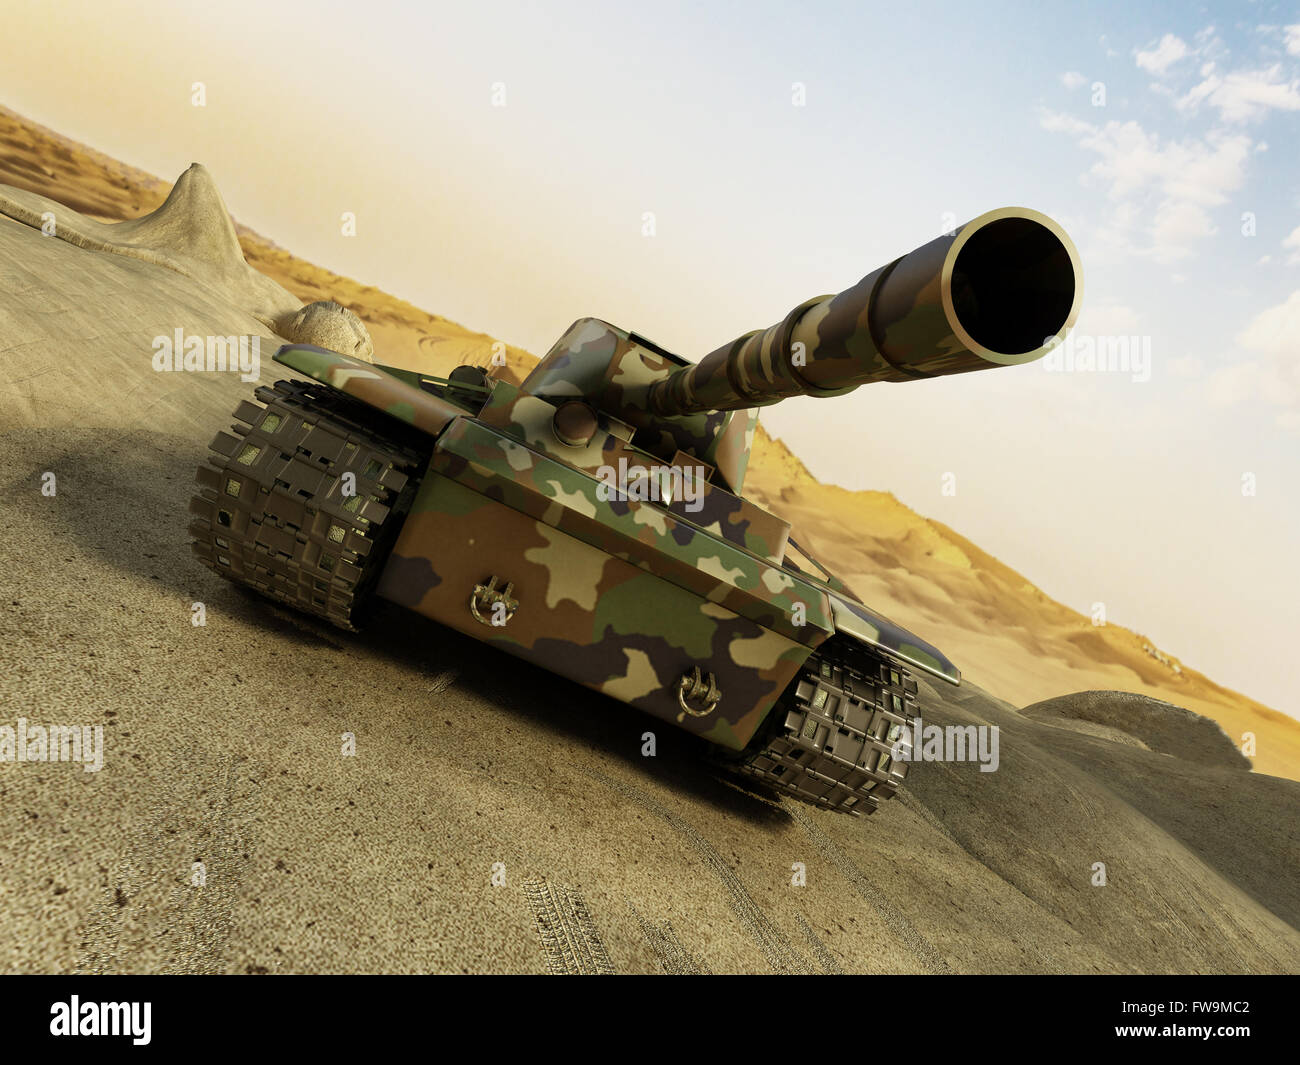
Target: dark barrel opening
<point>1012,285</point>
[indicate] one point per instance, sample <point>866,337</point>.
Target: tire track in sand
<point>895,921</point>
<point>780,955</point>
<point>570,941</point>
<point>675,958</point>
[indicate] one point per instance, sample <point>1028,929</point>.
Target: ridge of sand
<point>1156,725</point>
<point>190,232</point>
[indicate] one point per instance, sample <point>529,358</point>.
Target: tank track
<point>273,511</point>
<point>829,741</point>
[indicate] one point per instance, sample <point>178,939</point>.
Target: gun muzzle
<point>999,291</point>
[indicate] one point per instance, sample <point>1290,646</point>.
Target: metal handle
<point>489,599</point>
<point>693,686</point>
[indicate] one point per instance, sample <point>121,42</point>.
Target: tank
<point>592,520</point>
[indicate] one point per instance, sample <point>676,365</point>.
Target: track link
<point>276,510</point>
<point>829,742</point>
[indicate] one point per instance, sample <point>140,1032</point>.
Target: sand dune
<point>228,832</point>
<point>1006,635</point>
<point>1152,724</point>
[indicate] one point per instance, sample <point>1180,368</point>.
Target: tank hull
<point>685,614</point>
<point>590,521</point>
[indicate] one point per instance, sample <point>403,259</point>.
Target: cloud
<point>1270,373</point>
<point>1185,366</point>
<point>1072,79</point>
<point>1160,58</point>
<point>1108,320</point>
<point>1292,244</point>
<point>1161,190</point>
<point>1243,95</point>
<point>1239,95</point>
<point>1178,224</point>
<point>1195,170</point>
<point>1166,191</point>
<point>1275,332</point>
<point>1235,383</point>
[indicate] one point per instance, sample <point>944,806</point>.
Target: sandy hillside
<point>1006,635</point>
<point>486,800</point>
<point>35,158</point>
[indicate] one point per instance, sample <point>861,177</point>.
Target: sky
<point>691,171</point>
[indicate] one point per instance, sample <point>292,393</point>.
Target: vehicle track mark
<point>570,941</point>
<point>204,912</point>
<point>675,958</point>
<point>896,922</point>
<point>830,966</point>
<point>780,955</point>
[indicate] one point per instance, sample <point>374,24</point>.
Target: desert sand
<point>494,818</point>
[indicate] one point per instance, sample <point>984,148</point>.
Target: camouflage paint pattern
<point>617,595</point>
<point>695,605</point>
<point>614,371</point>
<point>372,385</point>
<point>855,619</point>
<point>528,419</point>
<point>585,613</point>
<point>905,321</point>
<point>709,562</point>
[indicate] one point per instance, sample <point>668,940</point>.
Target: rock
<point>326,324</point>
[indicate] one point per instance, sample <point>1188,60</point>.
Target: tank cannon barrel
<point>997,291</point>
